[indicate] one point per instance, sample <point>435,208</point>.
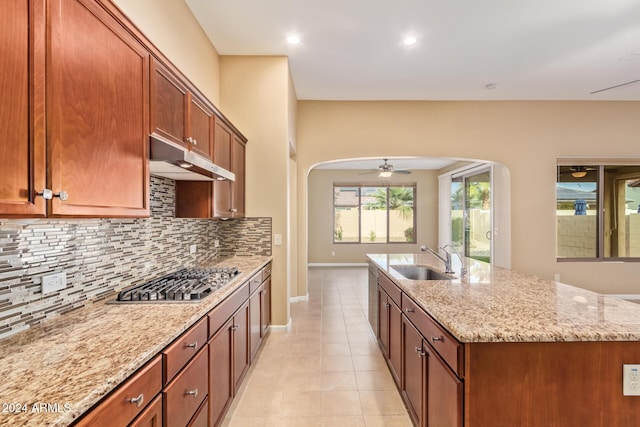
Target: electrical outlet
<point>53,282</point>
<point>216,243</point>
<point>631,380</point>
<point>333,253</point>
<point>193,248</point>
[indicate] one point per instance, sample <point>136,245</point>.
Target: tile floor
<point>328,371</point>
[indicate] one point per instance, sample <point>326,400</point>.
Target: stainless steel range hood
<point>171,161</point>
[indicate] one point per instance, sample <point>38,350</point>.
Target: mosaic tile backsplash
<point>102,256</point>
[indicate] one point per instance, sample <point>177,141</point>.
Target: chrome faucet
<point>446,259</point>
<point>463,270</point>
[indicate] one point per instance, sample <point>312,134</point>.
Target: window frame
<point>360,186</point>
<point>600,164</point>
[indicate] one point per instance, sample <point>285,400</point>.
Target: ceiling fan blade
<point>403,172</point>
<point>369,172</point>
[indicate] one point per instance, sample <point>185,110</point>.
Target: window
<point>598,211</point>
<point>369,214</point>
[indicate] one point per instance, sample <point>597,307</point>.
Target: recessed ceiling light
<point>293,39</point>
<point>491,86</point>
<point>409,41</point>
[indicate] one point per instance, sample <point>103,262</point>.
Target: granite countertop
<point>77,358</point>
<point>492,304</point>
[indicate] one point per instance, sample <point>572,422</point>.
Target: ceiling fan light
<point>385,174</point>
<point>579,174</point>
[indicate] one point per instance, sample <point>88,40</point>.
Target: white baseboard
<point>625,296</point>
<point>337,264</point>
<point>300,298</point>
<point>281,328</point>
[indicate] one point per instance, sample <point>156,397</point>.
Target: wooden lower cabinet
<point>201,418</point>
<point>413,372</point>
<point>151,416</point>
<point>184,395</point>
<point>255,306</point>
<point>241,356</point>
<point>220,373</point>
<point>265,306</point>
<point>389,333</point>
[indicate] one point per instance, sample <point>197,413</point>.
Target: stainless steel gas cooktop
<point>186,285</point>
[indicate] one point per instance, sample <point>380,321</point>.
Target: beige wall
<point>255,97</point>
<point>526,137</point>
<point>321,215</point>
<point>173,29</point>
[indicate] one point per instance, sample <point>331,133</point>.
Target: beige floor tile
<point>381,403</point>
<point>345,380</point>
<point>341,403</point>
<point>259,404</point>
<point>336,349</point>
<point>348,421</point>
<point>388,421</point>
<point>337,363</point>
<point>360,337</point>
<point>303,381</point>
<point>372,362</point>
<point>335,338</point>
<point>375,380</point>
<point>364,348</point>
<point>300,364</point>
<point>301,404</point>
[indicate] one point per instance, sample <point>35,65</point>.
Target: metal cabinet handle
<point>137,400</point>
<point>194,141</point>
<point>193,393</point>
<point>48,194</point>
<point>193,345</point>
<point>233,210</point>
<point>234,327</point>
<point>409,310</point>
<point>435,339</point>
<point>387,305</point>
<point>264,291</point>
<point>189,139</point>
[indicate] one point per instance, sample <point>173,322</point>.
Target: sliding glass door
<point>471,214</point>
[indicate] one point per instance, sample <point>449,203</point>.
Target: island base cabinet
<point>389,333</point>
<point>550,384</point>
<point>444,401</point>
<point>413,372</point>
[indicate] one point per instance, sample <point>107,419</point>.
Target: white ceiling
<point>352,49</point>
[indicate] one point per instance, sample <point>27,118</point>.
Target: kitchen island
<point>54,372</point>
<point>517,349</point>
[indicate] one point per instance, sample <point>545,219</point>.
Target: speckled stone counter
<point>493,304</point>
<point>70,362</point>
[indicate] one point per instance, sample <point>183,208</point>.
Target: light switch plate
<point>53,282</point>
<point>277,239</point>
<point>631,380</point>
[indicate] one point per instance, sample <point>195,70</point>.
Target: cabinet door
<point>255,336</point>
<point>265,302</point>
<point>97,101</point>
<point>168,103</point>
<point>383,321</point>
<point>238,168</point>
<point>222,157</point>
<point>220,373</point>
<point>184,395</point>
<point>22,129</point>
<point>151,416</point>
<point>444,391</point>
<point>395,340</point>
<point>200,128</point>
<point>413,372</point>
<point>240,345</point>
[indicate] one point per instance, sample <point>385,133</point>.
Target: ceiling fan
<point>385,170</point>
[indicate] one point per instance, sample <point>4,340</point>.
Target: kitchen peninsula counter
<point>492,304</point>
<point>55,371</point>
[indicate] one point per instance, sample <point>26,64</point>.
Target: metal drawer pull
<point>193,393</point>
<point>194,141</point>
<point>409,310</point>
<point>137,400</point>
<point>234,328</point>
<point>435,339</point>
<point>387,305</point>
<point>192,345</point>
<point>48,195</point>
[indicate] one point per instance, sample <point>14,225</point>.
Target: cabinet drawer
<point>184,395</point>
<point>255,282</point>
<point>152,416</point>
<point>389,287</point>
<point>201,418</point>
<point>266,272</point>
<point>219,315</point>
<point>443,342</point>
<point>118,409</point>
<point>177,355</point>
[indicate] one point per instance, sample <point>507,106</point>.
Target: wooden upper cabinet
<point>222,145</point>
<point>201,124</point>
<point>22,129</point>
<point>238,168</point>
<point>229,153</point>
<point>177,115</point>
<point>97,102</point>
<point>169,100</point>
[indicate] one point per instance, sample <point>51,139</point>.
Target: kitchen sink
<point>417,272</point>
